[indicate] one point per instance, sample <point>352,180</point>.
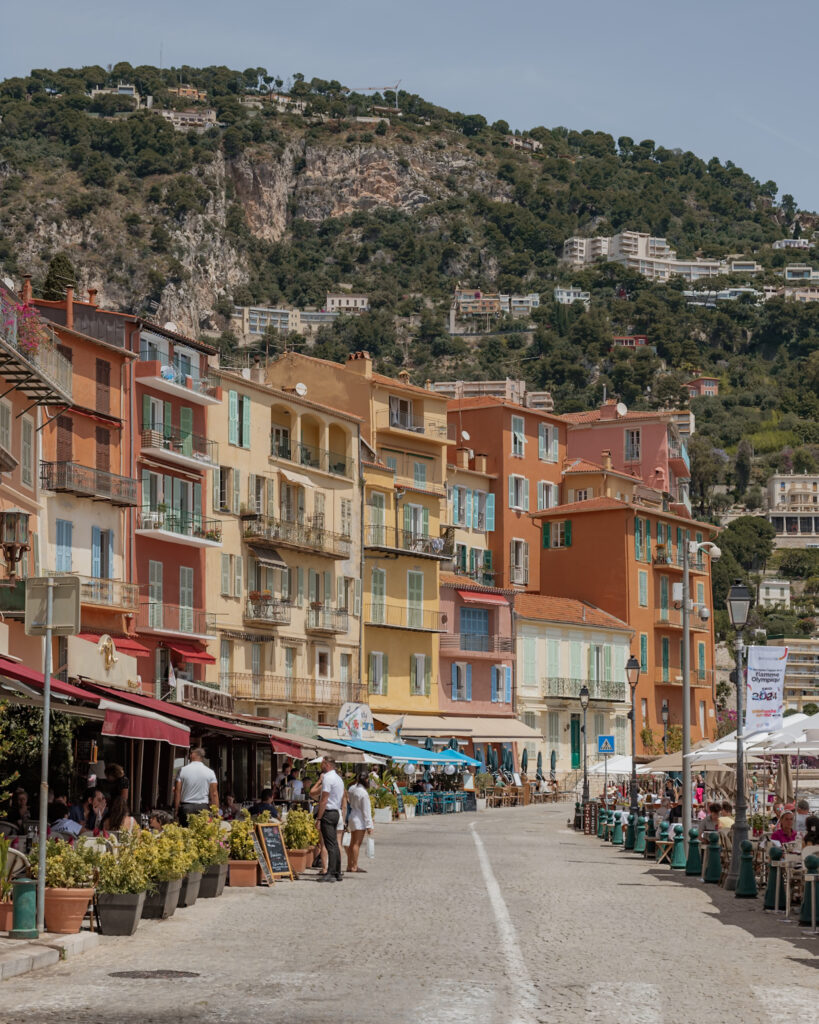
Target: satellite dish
<point>7,281</point>
<point>171,326</point>
<point>465,435</point>
<point>300,389</point>
<point>621,408</point>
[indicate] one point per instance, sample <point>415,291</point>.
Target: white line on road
<point>522,986</point>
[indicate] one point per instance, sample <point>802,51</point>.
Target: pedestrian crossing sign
<point>605,744</point>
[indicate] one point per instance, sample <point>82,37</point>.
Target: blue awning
<point>408,753</point>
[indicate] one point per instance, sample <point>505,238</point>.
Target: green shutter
<point>245,422</point>
<point>427,674</point>
<point>547,535</point>
<point>146,412</point>
<point>425,521</point>
<point>385,673</point>
<point>567,533</point>
<point>371,662</point>
<point>233,417</point>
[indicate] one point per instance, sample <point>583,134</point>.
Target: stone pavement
<point>504,917</point>
<point>19,956</point>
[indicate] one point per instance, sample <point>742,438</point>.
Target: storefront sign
<point>764,689</point>
<point>202,697</point>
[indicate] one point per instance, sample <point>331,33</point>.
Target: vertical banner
<point>765,689</point>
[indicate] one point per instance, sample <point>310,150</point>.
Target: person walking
<point>333,798</point>
<point>360,820</point>
<point>196,788</point>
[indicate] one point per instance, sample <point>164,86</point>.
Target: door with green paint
<point>664,598</point>
<point>575,734</point>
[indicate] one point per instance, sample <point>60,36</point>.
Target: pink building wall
<point>588,441</point>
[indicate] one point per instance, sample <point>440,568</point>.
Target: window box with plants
<point>243,862</point>
<point>166,858</point>
<point>212,851</point>
<point>122,885</point>
<point>301,838</point>
<point>385,803</point>
<point>69,880</point>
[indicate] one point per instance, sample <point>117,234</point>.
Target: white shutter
<point>238,575</point>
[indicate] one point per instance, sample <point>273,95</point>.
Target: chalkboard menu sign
<point>273,849</point>
<point>470,803</point>
<point>262,859</point>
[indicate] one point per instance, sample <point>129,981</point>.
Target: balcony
<point>399,422</point>
<point>180,448</point>
<point>179,528</point>
<point>29,359</point>
<point>673,677</point>
<point>672,619</point>
<point>109,593</point>
<point>179,620</point>
<point>291,689</point>
<point>599,689</point>
<point>664,558</point>
<point>518,576</point>
<point>267,610</point>
<point>71,478</point>
<point>678,460</point>
<point>171,380</point>
<point>308,536</point>
<point>401,616</point>
<point>326,619</point>
<point>388,538</point>
<point>476,643</point>
<point>420,473</point>
<point>312,457</point>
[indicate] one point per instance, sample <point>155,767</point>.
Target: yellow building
<point>471,512</point>
<point>405,431</point>
<point>286,582</point>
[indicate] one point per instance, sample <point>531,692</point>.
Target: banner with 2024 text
<point>765,689</point>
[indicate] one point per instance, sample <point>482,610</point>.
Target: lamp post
<point>584,703</point>
<point>13,538</point>
<point>633,675</point>
<point>739,605</point>
<point>664,714</point>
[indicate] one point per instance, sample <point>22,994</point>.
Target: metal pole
<point>585,763</point>
<point>686,694</point>
<point>41,861</point>
<point>634,808</point>
<point>606,779</point>
<point>741,820</point>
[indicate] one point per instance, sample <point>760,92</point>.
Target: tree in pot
<point>300,836</point>
<point>69,880</point>
<point>243,861</point>
<point>122,884</point>
<point>166,860</point>
<point>410,803</point>
<point>384,802</point>
<point>212,851</point>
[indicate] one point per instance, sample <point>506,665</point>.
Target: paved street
<point>501,918</point>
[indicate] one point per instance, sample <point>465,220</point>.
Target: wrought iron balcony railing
<point>72,478</point>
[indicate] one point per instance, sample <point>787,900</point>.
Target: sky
<point>725,78</point>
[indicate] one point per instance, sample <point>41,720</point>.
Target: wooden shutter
<point>65,439</point>
<point>245,421</point>
<point>237,483</point>
<point>490,512</point>
<point>238,573</point>
<point>547,534</point>
<point>427,674</point>
<point>103,386</point>
<point>233,417</point>
<point>103,449</point>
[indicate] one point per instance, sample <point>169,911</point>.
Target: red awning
<point>282,746</point>
<point>479,597</point>
<point>190,652</point>
<point>136,724</point>
<point>31,677</point>
<point>124,644</point>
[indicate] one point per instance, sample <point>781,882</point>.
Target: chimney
<point>480,463</point>
<point>608,411</point>
<point>605,458</point>
<point>428,384</point>
<point>361,363</point>
<point>69,307</point>
<point>257,370</point>
<point>92,296</point>
<point>462,458</point>
<point>27,293</point>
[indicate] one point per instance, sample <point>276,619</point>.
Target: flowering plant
<point>163,855</point>
<point>299,831</point>
<point>211,842</point>
<point>123,871</point>
<point>67,866</point>
<point>241,838</point>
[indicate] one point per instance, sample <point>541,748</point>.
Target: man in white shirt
<point>333,798</point>
<point>196,788</point>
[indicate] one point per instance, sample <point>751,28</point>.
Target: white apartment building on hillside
<point>566,296</point>
<point>793,508</point>
<point>792,243</point>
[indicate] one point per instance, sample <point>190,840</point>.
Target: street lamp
<point>664,714</point>
<point>633,675</point>
<point>13,537</point>
<point>739,605</point>
<point>584,703</point>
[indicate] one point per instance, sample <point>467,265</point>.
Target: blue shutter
<point>643,652</point>
<point>526,493</point>
<point>468,682</point>
<point>511,492</point>
<point>555,445</point>
<point>245,422</point>
<point>507,671</point>
<point>468,516</point>
<point>111,572</point>
<point>454,681</point>
<point>494,684</point>
<point>490,512</point>
<point>455,508</point>
<point>233,417</point>
<point>542,441</point>
<point>476,510</point>
<point>96,551</point>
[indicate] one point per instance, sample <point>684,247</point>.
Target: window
<point>224,663</point>
<point>64,531</point>
<point>701,660</point>
<point>557,534</point>
<point>401,413</point>
<point>632,446</point>
<point>519,561</point>
<point>642,580</point>
<point>289,662</point>
<point>474,629</point>
<point>323,663</point>
<point>518,437</point>
<point>379,593</point>
<point>27,451</point>
<point>5,426</point>
<point>155,595</point>
<point>479,500</point>
<point>700,593</point>
<point>102,553</point>
<point>459,498</point>
<point>344,667</point>
<point>519,492</point>
<point>226,576</point>
<point>547,443</point>
<point>415,599</point>
<point>644,652</point>
<point>584,494</point>
<point>419,675</point>
<point>639,538</point>
<point>185,599</point>
<point>553,727</point>
<point>280,442</point>
<point>701,718</point>
<point>529,661</point>
<point>547,495</point>
<point>255,493</point>
<point>238,419</point>
<point>419,474</point>
<point>461,680</point>
<point>347,517</point>
<point>378,677</point>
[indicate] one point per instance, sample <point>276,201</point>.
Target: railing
<point>399,616</point>
<point>34,344</point>
<point>679,451</point>
<point>671,618</point>
<point>181,443</point>
<point>672,676</point>
<point>382,536</point>
<point>111,593</point>
<point>172,618</point>
<point>267,609</point>
<point>599,689</point>
<point>492,643</point>
<point>327,619</point>
<point>83,480</point>
<point>406,468</point>
<point>310,535</point>
<point>663,556</point>
<point>309,455</point>
<point>292,689</point>
<point>429,426</point>
<point>519,575</point>
<point>186,524</point>
<point>174,374</point>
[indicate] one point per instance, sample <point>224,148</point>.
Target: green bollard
<point>601,821</point>
<point>651,837</point>
<point>610,826</point>
<point>772,901</point>
<point>693,866</point>
<point>809,894</point>
<point>713,864</point>
<point>663,838</point>
<point>678,852</point>
<point>640,836</point>
<point>746,881</point>
<point>617,835</point>
<point>628,843</point>
<point>24,909</point>
<point>578,816</point>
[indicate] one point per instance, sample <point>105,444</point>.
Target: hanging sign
<point>765,688</point>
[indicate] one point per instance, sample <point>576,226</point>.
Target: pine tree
<point>61,275</point>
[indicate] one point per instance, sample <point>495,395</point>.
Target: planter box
<point>120,912</point>
<point>163,902</point>
<point>382,815</point>
<point>300,860</point>
<point>65,909</point>
<point>480,803</point>
<point>213,881</point>
<point>242,873</point>
<point>190,889</point>
<point>6,912</point>
<point>409,809</point>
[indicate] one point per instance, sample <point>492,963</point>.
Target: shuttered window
<point>65,439</point>
<point>103,386</point>
<point>103,449</point>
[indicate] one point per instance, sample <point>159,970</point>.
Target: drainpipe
<point>361,564</point>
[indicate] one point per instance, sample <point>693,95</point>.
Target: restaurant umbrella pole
<point>41,845</point>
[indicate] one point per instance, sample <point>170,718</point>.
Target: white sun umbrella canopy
<point>618,765</point>
<point>798,727</point>
<point>727,745</point>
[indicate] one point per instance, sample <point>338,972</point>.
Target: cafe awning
<point>31,679</point>
<point>190,652</point>
<point>483,729</point>
<point>408,753</point>
<point>140,724</point>
<point>124,644</point>
<point>479,597</point>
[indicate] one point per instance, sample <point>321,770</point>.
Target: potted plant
<point>5,886</point>
<point>384,803</point>
<point>166,861</point>
<point>69,880</point>
<point>211,851</point>
<point>758,822</point>
<point>193,879</point>
<point>243,861</point>
<point>300,836</point>
<point>483,782</point>
<point>122,885</point>
<point>410,803</point>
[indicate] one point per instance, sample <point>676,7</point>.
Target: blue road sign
<point>605,744</point>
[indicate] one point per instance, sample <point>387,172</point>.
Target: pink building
<point>647,445</point>
<point>703,387</point>
<point>630,341</point>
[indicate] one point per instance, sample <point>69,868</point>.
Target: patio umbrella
<point>510,764</point>
<point>783,787</point>
<point>540,764</point>
<point>428,744</point>
<point>524,760</point>
<point>493,759</point>
<point>553,764</point>
<point>453,744</point>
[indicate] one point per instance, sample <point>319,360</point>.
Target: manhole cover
<point>154,974</point>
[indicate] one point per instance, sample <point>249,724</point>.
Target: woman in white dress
<point>359,821</point>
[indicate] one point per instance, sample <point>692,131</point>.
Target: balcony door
<point>379,595</point>
<point>155,595</point>
<point>323,673</point>
<point>416,525</point>
<point>377,517</point>
<point>575,735</point>
<point>185,599</point>
<point>475,629</point>
<point>415,600</point>
<point>400,413</point>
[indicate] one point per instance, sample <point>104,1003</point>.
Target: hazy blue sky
<point>731,78</point>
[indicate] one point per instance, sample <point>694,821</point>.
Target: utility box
<point>65,608</point>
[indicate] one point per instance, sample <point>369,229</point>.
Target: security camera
<point>705,614</point>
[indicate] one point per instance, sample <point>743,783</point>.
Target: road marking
<point>623,1003</point>
<point>792,1001</point>
<point>518,974</point>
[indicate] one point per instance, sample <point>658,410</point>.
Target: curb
<point>19,957</point>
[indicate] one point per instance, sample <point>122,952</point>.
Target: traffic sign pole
<point>41,848</point>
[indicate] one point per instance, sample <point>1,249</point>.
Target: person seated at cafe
<point>20,813</point>
<point>79,811</point>
<point>785,832</point>
<point>675,814</point>
<point>118,818</point>
<point>60,824</point>
<point>802,813</point>
<point>726,815</point>
<point>157,820</point>
<point>96,813</point>
<point>230,809</point>
<point>711,823</point>
<point>265,804</point>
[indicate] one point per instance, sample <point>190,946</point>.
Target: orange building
<point>625,557</point>
<point>524,448</point>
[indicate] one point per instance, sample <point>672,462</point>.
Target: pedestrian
<point>332,803</point>
<point>726,815</point>
<point>296,785</point>
<point>196,788</point>
<point>802,812</point>
<point>360,820</point>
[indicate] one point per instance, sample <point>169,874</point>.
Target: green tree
<point>61,275</point>
<point>743,464</point>
<point>706,470</point>
<point>750,539</point>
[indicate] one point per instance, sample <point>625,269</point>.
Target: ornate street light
<point>739,605</point>
<point>633,676</point>
<point>584,704</point>
<point>13,537</point>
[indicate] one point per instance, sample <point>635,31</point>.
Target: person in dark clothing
<point>79,812</point>
<point>265,804</point>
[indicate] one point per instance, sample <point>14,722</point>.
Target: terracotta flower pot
<point>163,901</point>
<point>120,912</point>
<point>300,860</point>
<point>6,910</point>
<point>65,909</point>
<point>213,881</point>
<point>242,873</point>
<point>190,889</point>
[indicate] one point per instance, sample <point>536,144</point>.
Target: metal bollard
<point>746,880</point>
<point>617,835</point>
<point>807,912</point>
<point>713,864</point>
<point>663,837</point>
<point>678,852</point>
<point>24,909</point>
<point>775,891</point>
<point>651,837</point>
<point>693,866</point>
<point>601,822</point>
<point>628,842</point>
<point>640,836</point>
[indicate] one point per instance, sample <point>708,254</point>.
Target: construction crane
<point>379,88</point>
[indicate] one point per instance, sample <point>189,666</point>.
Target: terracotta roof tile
<point>492,401</point>
<point>592,505</point>
<point>584,466</point>
<point>593,416</point>
<point>565,609</point>
<point>452,579</point>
